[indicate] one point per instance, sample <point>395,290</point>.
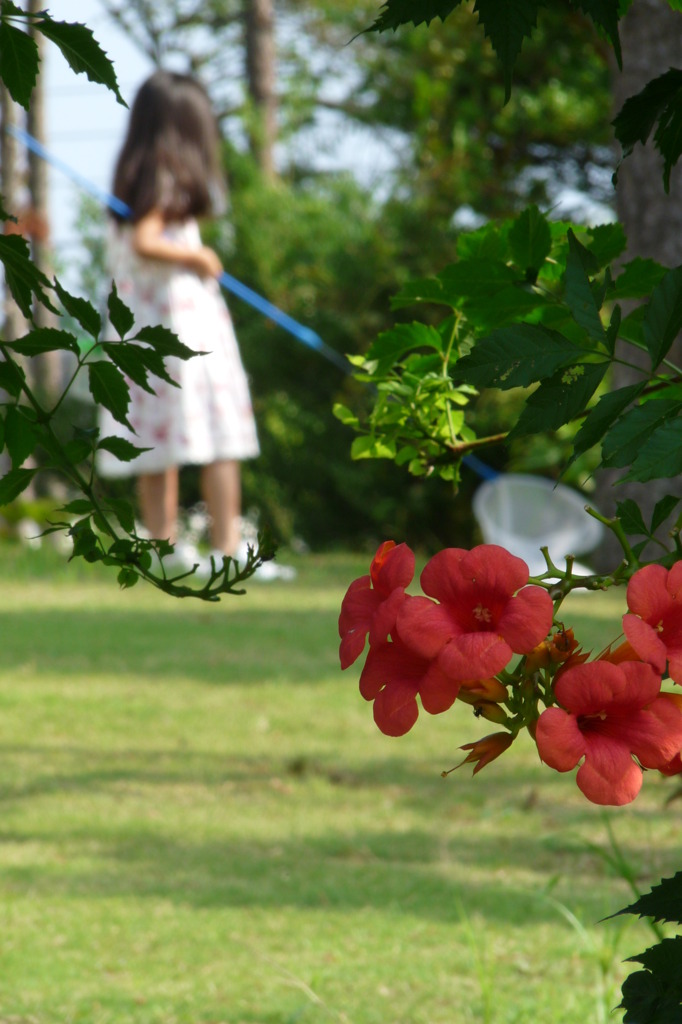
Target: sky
<point>85,124</point>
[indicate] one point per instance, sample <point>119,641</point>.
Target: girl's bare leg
<point>158,496</point>
<point>222,492</point>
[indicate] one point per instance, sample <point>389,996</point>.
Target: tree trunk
<point>651,38</point>
<point>259,20</point>
<point>46,367</point>
<point>14,323</point>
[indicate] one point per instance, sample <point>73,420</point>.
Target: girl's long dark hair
<point>170,158</point>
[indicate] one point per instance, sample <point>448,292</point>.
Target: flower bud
<point>474,690</point>
<point>539,657</point>
<point>486,749</point>
<point>491,712</point>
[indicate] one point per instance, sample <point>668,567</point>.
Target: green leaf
<point>604,415</point>
<point>630,516</point>
<point>660,101</point>
<point>127,577</point>
<point>150,358</point>
<point>77,450</point>
<point>84,539</point>
<point>663,317</point>
<point>122,449</point>
<point>21,435</point>
<point>503,307</point>
<point>165,342</point>
<point>660,456</point>
<point>78,507</point>
<point>530,242</point>
<point>638,279</point>
<point>343,413</point>
<point>606,15</point>
<point>12,484</point>
<point>560,399</point>
<point>607,242</point>
<point>127,359</point>
<point>120,317</point>
<point>372,448</point>
<point>488,242</point>
<point>663,902</point>
<point>579,295</point>
<point>663,959</point>
<point>624,441</point>
<point>44,339</point>
<point>82,51</point>
<point>123,511</point>
<point>23,277</point>
<point>632,327</point>
<point>648,1002</point>
<point>427,289</point>
<point>662,510</point>
<point>390,346</point>
<point>12,377</point>
<point>18,60</point>
<point>476,279</point>
<point>516,356</point>
<point>402,12</point>
<point>613,330</point>
<point>80,309</point>
<point>109,389</point>
<point>507,23</point>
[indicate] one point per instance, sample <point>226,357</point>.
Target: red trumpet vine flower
<point>485,614</point>
<point>609,712</point>
<point>654,627</point>
<point>371,602</point>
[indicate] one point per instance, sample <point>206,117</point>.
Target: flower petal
<point>395,709</point>
<point>560,742</point>
<point>527,619</point>
<point>645,640</point>
<point>608,775</point>
<point>384,619</point>
<point>356,604</point>
<point>647,593</point>
<point>494,568</point>
<point>441,576</point>
<point>351,647</point>
<point>659,736</point>
<point>598,687</point>
<point>437,690</point>
<point>474,655</point>
<point>388,663</point>
<point>393,567</point>
<point>424,625</point>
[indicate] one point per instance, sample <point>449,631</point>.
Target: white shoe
<point>184,558</point>
<point>272,571</point>
<point>269,570</point>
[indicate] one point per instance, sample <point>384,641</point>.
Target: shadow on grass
<point>364,871</point>
<point>298,645</point>
<point>414,871</point>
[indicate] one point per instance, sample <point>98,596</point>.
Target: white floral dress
<point>209,417</point>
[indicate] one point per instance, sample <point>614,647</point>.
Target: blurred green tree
<point>330,244</point>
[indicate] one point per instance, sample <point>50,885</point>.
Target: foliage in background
<point>531,304</point>
<point>331,247</point>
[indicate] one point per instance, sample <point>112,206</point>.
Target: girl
<point>168,173</point>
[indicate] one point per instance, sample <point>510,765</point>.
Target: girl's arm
<point>150,243</point>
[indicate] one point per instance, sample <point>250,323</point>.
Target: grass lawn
<point>200,824</point>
